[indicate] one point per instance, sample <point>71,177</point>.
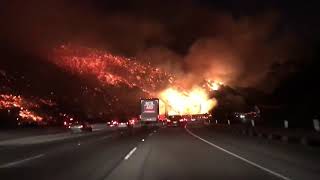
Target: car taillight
<point>81,126</point>
<point>168,120</point>
<point>181,120</point>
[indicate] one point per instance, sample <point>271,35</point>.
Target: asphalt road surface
<point>162,154</point>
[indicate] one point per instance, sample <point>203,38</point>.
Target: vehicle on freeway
<point>172,123</point>
<point>149,110</point>
<point>176,121</point>
<point>123,125</point>
<point>113,123</point>
<point>124,128</point>
<point>80,127</point>
<point>121,122</point>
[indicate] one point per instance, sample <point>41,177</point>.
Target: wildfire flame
<point>195,101</point>
<point>213,85</point>
<point>26,114</point>
<point>9,101</point>
<point>108,68</point>
<point>114,70</point>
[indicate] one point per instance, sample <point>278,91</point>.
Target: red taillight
<point>168,120</point>
<point>181,120</point>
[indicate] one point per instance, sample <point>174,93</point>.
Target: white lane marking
<point>106,137</point>
<point>239,157</point>
<point>98,129</point>
<point>21,161</point>
<point>150,134</point>
<point>130,153</point>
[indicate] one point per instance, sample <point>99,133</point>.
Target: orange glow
<point>214,85</point>
<point>195,101</point>
<point>8,101</point>
<point>109,69</point>
<point>25,114</point>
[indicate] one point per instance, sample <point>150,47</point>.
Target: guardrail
<point>286,134</point>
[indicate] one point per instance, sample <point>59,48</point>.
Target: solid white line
<point>150,134</point>
<point>21,161</point>
<point>130,153</point>
<point>98,129</point>
<point>106,137</point>
<point>239,157</point>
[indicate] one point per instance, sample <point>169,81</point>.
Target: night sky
<point>271,46</point>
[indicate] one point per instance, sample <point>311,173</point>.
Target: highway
<point>160,154</point>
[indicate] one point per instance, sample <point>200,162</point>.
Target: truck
<point>149,110</point>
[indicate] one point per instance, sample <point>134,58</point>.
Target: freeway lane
<point>293,160</point>
<point>168,153</point>
<point>174,154</point>
<point>89,157</point>
<point>14,152</point>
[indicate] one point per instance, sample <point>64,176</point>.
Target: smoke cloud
<point>242,51</point>
<point>195,42</point>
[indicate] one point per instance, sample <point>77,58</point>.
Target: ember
<point>110,69</point>
<point>9,101</point>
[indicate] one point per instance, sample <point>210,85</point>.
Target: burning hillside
<point>109,69</point>
<point>26,108</point>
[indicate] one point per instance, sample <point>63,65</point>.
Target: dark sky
<point>234,41</point>
<point>266,45</point>
<point>129,26</point>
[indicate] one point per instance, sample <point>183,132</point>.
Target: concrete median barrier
<point>286,135</point>
<point>33,137</point>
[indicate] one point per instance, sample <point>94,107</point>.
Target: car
<point>123,125</point>
<point>124,128</point>
<point>80,127</point>
<point>113,123</point>
<point>173,121</point>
